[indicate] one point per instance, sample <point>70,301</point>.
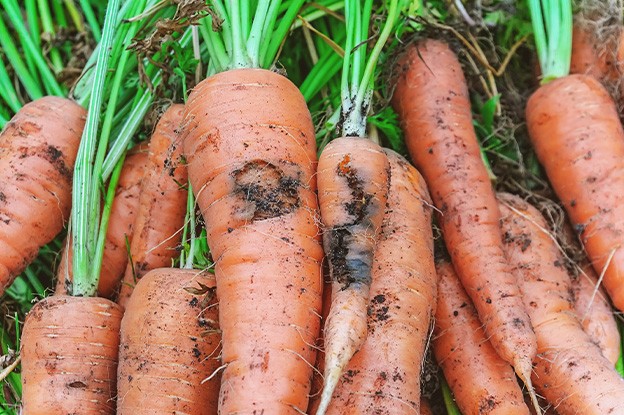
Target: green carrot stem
<point>7,92</point>
<point>91,19</point>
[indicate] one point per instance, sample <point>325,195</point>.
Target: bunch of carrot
<point>250,336</point>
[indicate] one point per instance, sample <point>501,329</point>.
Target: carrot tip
<point>331,381</point>
<point>523,369</point>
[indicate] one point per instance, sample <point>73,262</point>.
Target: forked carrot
<point>123,212</point>
<point>570,370</point>
<point>170,345</point>
<point>38,149</point>
<point>432,100</point>
<point>157,229</point>
<point>383,377</point>
<point>482,382</point>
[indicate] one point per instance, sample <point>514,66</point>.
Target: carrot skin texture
<point>383,377</point>
<point>69,350</point>
<point>122,215</point>
<point>569,370</point>
<point>596,316</point>
<point>157,229</point>
<point>251,151</point>
<point>169,344</point>
<point>432,100</point>
<point>353,176</point>
<point>578,138</point>
<point>482,382</point>
<point>38,149</point>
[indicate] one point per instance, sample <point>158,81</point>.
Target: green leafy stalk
<point>357,76</point>
<point>48,27</point>
<point>91,19</point>
<point>449,402</point>
<point>86,185</point>
<point>552,30</point>
<point>7,92</point>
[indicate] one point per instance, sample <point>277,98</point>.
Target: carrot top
<point>552,29</point>
<point>358,66</point>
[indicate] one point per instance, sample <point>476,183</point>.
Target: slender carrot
<point>56,379</point>
<point>170,343</point>
<point>595,313</point>
<point>384,376</point>
<point>570,370</point>
<point>432,100</point>
<point>123,212</point>
<point>162,203</point>
<point>482,382</point>
<point>38,149</point>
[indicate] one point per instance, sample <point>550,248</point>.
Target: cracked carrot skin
<point>433,103</point>
<point>570,371</point>
<point>251,151</point>
<point>157,228</point>
<point>353,176</point>
<point>482,382</point>
<point>577,135</point>
<point>383,377</point>
<point>170,343</point>
<point>70,368</point>
<point>596,314</point>
<point>38,149</point>
<point>122,215</point>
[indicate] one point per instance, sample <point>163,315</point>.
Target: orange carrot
<point>383,377</point>
<point>54,373</point>
<point>432,100</point>
<point>482,382</point>
<point>162,203</point>
<point>170,343</point>
<point>38,148</point>
<point>595,313</point>
<point>250,146</point>
<point>353,177</point>
<point>123,212</point>
<point>570,370</point>
<point>575,119</point>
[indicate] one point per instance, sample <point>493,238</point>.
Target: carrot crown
<point>552,30</point>
<point>358,68</point>
<point>247,34</point>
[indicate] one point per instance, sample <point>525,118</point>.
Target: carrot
<point>600,58</point>
<point>384,376</point>
<point>54,373</point>
<point>425,408</point>
<point>482,382</point>
<point>432,100</point>
<point>38,149</point>
<point>170,343</point>
<point>123,212</point>
<point>570,370</point>
<point>577,136</point>
<point>595,313</point>
<point>162,203</point>
<point>254,182</point>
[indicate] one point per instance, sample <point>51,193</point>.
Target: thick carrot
<point>353,177</point>
<point>595,313</point>
<point>569,369</point>
<point>482,382</point>
<point>383,377</point>
<point>162,203</point>
<point>432,100</point>
<point>69,349</point>
<point>250,146</point>
<point>38,149</point>
<point>170,342</point>
<point>578,138</point>
<point>123,212</point>
<point>599,58</point>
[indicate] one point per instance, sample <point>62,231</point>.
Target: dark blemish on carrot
<point>78,385</point>
<point>2,197</point>
<point>193,302</point>
<point>572,203</point>
<point>56,158</point>
<point>266,190</point>
<point>487,405</point>
<point>455,313</point>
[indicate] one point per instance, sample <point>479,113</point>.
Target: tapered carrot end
<point>523,368</point>
<point>332,376</point>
